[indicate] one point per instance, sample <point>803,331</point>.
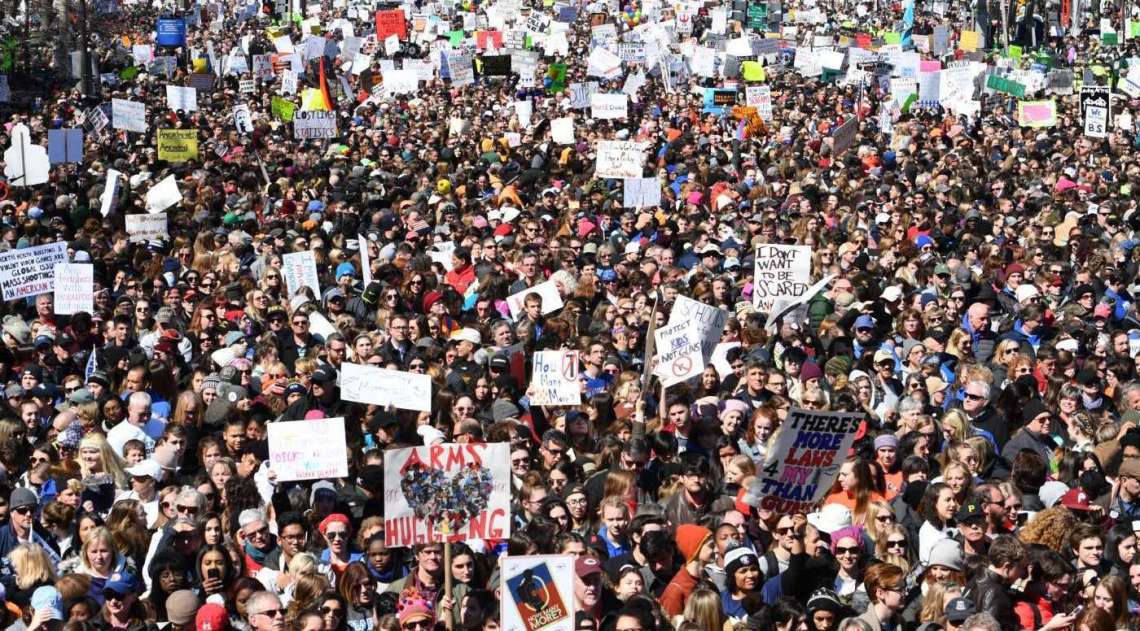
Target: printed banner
<point>447,491</point>
<point>538,593</point>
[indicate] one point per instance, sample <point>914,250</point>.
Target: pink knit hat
<point>413,606</point>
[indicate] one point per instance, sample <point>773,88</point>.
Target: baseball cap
<point>587,566</point>
<point>958,609</point>
<point>1076,499</point>
<point>212,617</point>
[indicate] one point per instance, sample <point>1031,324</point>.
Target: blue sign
<point>171,32</point>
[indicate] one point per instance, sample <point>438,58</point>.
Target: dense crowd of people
<point>977,314</point>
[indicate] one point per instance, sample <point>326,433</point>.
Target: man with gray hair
<point>257,542</point>
<point>264,612</point>
<point>139,425</point>
<point>976,405</point>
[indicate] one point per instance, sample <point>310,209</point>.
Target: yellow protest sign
<point>199,65</point>
<point>968,41</point>
<point>312,101</point>
<point>177,145</point>
<point>753,71</point>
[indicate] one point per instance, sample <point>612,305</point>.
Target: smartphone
<point>1022,518</point>
<point>1078,610</point>
<point>214,573</point>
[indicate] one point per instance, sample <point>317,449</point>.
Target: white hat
<point>468,335</point>
<point>1051,492</point>
<point>147,468</point>
<point>830,518</point>
<point>1026,292</point>
<point>892,293</point>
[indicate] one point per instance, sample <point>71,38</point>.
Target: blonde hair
<point>302,563</point>
<point>871,525</point>
<point>958,421</point>
<point>109,461</point>
<point>32,565</point>
<point>100,534</point>
<point>703,608</point>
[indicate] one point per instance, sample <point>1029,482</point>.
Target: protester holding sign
<point>551,315</point>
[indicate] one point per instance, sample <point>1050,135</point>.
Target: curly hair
<point>1050,528</point>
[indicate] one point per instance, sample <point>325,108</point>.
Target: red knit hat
<point>690,538</point>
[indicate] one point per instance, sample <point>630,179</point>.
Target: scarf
<point>258,556</point>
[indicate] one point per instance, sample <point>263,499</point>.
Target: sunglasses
<point>846,550</point>
<point>23,510</point>
<point>332,611</point>
<point>336,534</point>
<point>896,543</point>
<point>110,594</point>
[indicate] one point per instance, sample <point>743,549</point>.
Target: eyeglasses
<point>23,510</point>
<point>189,510</point>
<point>272,613</point>
<point>975,397</point>
<point>846,550</point>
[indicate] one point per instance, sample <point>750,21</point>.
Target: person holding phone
<point>213,570</point>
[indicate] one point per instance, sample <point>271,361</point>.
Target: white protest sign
<point>547,290</point>
<point>606,106</point>
<point>538,592</point>
<point>25,163</point>
<point>146,227</point>
<point>312,449</point>
<point>243,120</point>
<point>379,386</point>
<point>288,83</point>
<point>181,98</point>
<point>74,288</point>
<point>555,379</point>
<point>128,115</point>
<point>110,190</point>
<point>320,325</point>
<point>562,131</point>
<point>163,195</point>
<point>782,274</point>
<point>760,97</point>
<point>710,321</point>
<point>401,82</point>
<point>524,110</point>
<point>619,159</point>
<point>799,471</point>
<point>641,192</point>
<point>447,491</point>
<point>679,356</point>
<point>301,271</point>
<point>365,264</point>
<point>29,271</point>
<point>314,124</point>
